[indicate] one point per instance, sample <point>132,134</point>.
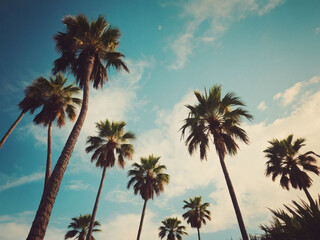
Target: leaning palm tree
<point>58,103</point>
<point>284,160</point>
<point>112,142</point>
<point>214,118</point>
<point>34,97</point>
<point>147,179</point>
<point>80,227</point>
<point>172,229</point>
<point>84,46</point>
<point>197,213</point>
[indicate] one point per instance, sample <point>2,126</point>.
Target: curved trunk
<point>49,154</point>
<point>312,203</point>
<point>93,215</point>
<point>41,220</point>
<point>142,217</point>
<point>11,129</point>
<point>198,233</point>
<point>234,199</point>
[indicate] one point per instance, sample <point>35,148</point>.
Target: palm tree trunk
<point>234,200</point>
<point>142,217</point>
<point>41,220</point>
<point>198,233</point>
<point>312,203</point>
<point>49,153</point>
<point>11,129</point>
<point>93,215</point>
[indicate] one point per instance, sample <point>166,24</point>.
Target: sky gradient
<point>266,51</point>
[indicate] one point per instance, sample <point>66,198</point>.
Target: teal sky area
<point>266,51</point>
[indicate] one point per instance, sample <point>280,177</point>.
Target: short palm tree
<point>84,46</point>
<point>197,213</point>
<point>284,160</point>
<point>112,142</point>
<point>34,96</point>
<point>147,179</point>
<point>58,102</point>
<point>172,229</point>
<point>80,227</point>
<point>213,118</point>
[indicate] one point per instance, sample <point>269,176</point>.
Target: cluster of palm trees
<point>88,50</point>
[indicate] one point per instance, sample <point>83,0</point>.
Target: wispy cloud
<point>77,185</point>
<point>20,181</point>
<point>121,196</point>
<point>262,106</point>
<point>220,15</point>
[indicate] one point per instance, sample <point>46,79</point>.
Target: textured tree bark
<point>95,208</point>
<point>312,203</point>
<point>49,156</point>
<point>198,233</point>
<point>142,217</point>
<point>41,220</point>
<point>11,129</point>
<point>234,200</point>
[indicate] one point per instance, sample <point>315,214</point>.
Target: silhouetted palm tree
<point>80,227</point>
<point>147,178</point>
<point>197,214</point>
<point>83,47</point>
<point>172,229</point>
<point>214,118</point>
<point>292,167</point>
<point>111,143</point>
<point>58,103</point>
<point>34,97</point>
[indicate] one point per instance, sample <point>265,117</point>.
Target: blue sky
<point>266,51</point>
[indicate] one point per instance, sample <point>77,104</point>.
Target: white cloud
<point>220,14</point>
<point>317,30</point>
<point>77,185</point>
<point>120,196</point>
<point>262,106</point>
<point>10,183</point>
<point>159,27</point>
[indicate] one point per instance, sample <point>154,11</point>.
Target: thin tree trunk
<point>142,217</point>
<point>234,200</point>
<point>198,233</point>
<point>11,129</point>
<point>49,154</point>
<point>312,203</point>
<point>95,208</point>
<point>41,220</point>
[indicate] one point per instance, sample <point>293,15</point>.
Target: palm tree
<point>285,161</point>
<point>214,119</point>
<point>83,47</point>
<point>147,179</point>
<point>112,140</point>
<point>58,102</point>
<point>80,227</point>
<point>197,214</point>
<point>172,228</point>
<point>34,96</point>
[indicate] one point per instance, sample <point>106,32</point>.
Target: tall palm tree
<point>284,160</point>
<point>58,102</point>
<point>80,227</point>
<point>172,228</point>
<point>197,213</point>
<point>34,97</point>
<point>147,179</point>
<point>214,118</point>
<point>83,47</point>
<point>111,141</point>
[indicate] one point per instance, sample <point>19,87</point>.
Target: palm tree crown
<point>172,229</point>
<point>81,40</point>
<point>80,226</point>
<point>197,213</point>
<point>58,101</point>
<point>112,140</point>
<point>148,177</point>
<point>214,117</point>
